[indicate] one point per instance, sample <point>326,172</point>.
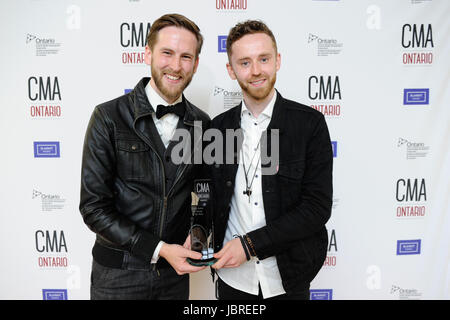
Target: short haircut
<point>176,20</point>
<point>248,27</point>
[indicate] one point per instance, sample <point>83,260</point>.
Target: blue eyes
<point>247,63</point>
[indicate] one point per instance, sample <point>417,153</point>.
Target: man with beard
<point>133,196</point>
<point>270,233</point>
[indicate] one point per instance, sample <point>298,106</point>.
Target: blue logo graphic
<point>406,247</point>
<point>128,90</point>
<point>46,149</point>
<point>334,147</point>
<point>54,294</point>
<point>222,42</point>
<point>321,294</point>
<point>416,96</point>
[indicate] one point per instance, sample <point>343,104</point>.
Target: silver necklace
<point>248,187</point>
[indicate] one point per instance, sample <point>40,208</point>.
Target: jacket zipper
<point>163,215</point>
<point>164,183</point>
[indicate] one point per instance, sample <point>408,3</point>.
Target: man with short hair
<point>133,196</point>
<point>270,233</point>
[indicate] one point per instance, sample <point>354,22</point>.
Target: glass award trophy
<point>201,231</point>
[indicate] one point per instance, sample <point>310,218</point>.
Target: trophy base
<point>201,263</point>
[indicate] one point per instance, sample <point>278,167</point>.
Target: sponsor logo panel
<point>408,247</point>
<point>325,94</point>
<point>54,294</point>
<point>321,294</point>
<point>132,39</point>
<point>46,149</point>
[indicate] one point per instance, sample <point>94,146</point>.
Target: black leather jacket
<point>124,198</point>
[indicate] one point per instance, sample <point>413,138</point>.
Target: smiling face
<point>173,61</point>
<point>254,63</point>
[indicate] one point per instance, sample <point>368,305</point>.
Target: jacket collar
<point>142,106</point>
<point>277,115</point>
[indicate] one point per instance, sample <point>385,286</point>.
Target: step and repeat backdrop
<point>378,70</point>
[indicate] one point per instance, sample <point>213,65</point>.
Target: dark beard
<point>170,94</point>
<point>260,93</point>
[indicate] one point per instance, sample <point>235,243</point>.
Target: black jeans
<point>226,292</point>
<point>122,284</point>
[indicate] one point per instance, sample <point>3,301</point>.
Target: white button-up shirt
<point>247,216</point>
<point>166,127</point>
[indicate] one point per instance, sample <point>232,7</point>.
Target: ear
<point>231,71</point>
<point>278,61</point>
<point>196,64</point>
<point>147,55</point>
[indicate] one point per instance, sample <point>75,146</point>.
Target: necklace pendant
<point>248,192</point>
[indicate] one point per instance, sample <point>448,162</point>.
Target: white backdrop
<point>356,61</point>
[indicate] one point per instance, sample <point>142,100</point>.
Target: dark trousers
<point>226,292</point>
<point>122,284</point>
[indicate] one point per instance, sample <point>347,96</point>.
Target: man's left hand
<point>232,255</point>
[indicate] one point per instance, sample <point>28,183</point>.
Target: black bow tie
<point>177,109</point>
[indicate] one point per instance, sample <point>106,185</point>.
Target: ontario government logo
<point>228,99</point>
<point>43,46</point>
<point>325,46</point>
<point>413,150</point>
<point>49,202</point>
<point>405,294</point>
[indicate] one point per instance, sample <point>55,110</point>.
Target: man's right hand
<point>176,255</point>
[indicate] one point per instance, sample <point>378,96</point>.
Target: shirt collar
<point>268,110</point>
<point>155,99</point>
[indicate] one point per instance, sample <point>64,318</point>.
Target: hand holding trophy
<point>201,224</point>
